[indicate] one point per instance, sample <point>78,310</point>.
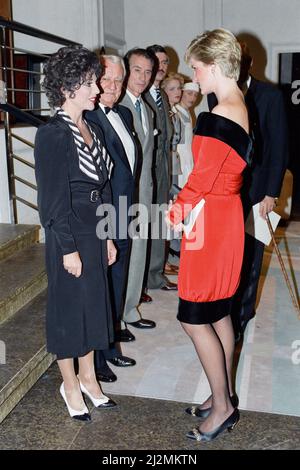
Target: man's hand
<point>266,206</point>
<point>72,263</point>
<point>111,252</point>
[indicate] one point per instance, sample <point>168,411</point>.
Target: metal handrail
<point>25,117</point>
<point>21,180</point>
<point>25,90</point>
<point>34,32</point>
<point>7,66</point>
<point>22,70</point>
<point>35,109</point>
<point>20,159</point>
<point>27,203</point>
<point>26,51</point>
<point>21,139</point>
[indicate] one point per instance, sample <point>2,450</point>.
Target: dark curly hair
<point>66,70</point>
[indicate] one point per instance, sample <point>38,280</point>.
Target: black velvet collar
<point>226,130</point>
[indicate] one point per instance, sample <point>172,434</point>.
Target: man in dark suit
<point>262,181</point>
<point>117,126</point>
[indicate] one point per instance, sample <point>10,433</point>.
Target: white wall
<point>114,26</point>
<point>273,25</point>
<point>170,23</point>
<point>92,23</point>
<point>77,20</point>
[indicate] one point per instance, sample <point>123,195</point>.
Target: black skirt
<point>201,313</point>
<point>78,309</point>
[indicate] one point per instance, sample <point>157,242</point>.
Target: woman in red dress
<point>212,253</point>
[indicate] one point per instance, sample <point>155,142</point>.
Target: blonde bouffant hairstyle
<point>219,47</point>
<point>172,76</point>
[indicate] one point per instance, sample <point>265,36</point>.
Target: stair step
<point>14,238</point>
<point>26,358</point>
<point>22,277</point>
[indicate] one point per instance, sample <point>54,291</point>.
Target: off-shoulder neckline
<point>226,119</point>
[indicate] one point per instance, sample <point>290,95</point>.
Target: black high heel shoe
<point>204,412</point>
<point>228,424</point>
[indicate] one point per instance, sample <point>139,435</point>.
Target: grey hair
<point>114,59</point>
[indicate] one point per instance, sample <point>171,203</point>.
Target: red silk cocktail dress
<point>211,255</point>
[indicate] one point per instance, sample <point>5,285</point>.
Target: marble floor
<point>41,422</point>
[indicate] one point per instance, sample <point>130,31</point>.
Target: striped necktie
<point>158,98</point>
<point>138,109</point>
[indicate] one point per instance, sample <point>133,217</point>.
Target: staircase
<point>23,282</point>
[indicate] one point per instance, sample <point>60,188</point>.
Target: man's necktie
<point>158,98</point>
<point>108,109</point>
<point>138,109</point>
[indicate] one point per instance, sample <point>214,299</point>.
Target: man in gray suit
<point>158,101</point>
<point>139,64</point>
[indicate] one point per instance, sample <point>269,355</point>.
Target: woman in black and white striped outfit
<point>72,172</point>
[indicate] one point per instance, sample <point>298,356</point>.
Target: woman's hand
<point>72,263</point>
<point>266,206</point>
<point>170,225</point>
<point>111,252</point>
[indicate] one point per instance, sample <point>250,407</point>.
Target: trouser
<point>117,278</point>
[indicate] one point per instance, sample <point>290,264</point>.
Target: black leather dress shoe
<point>169,286</point>
<point>145,298</point>
<point>143,323</point>
<point>107,377</point>
<point>122,361</point>
<point>124,336</point>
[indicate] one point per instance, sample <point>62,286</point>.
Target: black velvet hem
<point>202,313</point>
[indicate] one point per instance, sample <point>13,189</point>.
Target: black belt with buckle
<point>95,195</point>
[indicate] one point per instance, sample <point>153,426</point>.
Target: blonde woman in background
<point>172,85</point>
<point>184,147</point>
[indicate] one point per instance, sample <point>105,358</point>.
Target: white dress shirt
<point>123,134</point>
<point>153,93</point>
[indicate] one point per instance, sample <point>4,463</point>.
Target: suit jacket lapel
<point>147,119</point>
<point>112,136</point>
<point>136,152</point>
<point>137,123</point>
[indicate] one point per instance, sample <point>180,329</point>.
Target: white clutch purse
<point>190,219</point>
